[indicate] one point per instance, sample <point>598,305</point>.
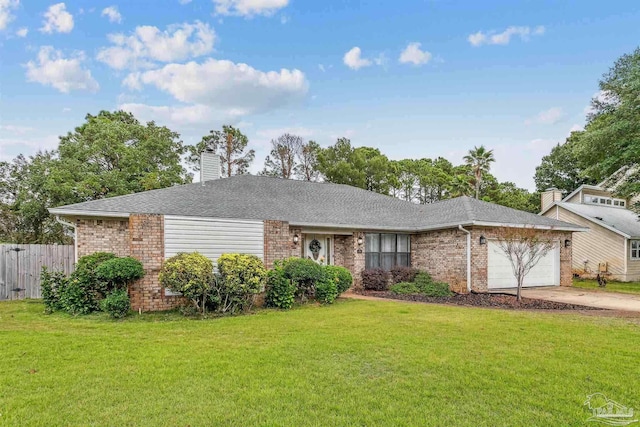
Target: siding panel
<point>596,245</point>
<point>212,237</point>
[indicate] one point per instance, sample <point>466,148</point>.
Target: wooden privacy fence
<point>21,265</point>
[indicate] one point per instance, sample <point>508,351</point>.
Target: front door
<point>318,247</point>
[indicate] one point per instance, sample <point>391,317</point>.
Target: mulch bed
<point>482,300</point>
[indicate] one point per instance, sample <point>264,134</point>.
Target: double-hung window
<point>385,250</point>
<point>635,249</point>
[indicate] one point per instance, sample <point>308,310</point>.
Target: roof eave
<point>79,212</point>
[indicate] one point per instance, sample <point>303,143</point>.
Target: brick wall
<point>479,255</point>
<point>278,241</point>
<point>443,254</point>
<point>103,235</point>
<point>146,233</point>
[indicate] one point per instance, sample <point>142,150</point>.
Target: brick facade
<point>103,235</point>
<point>141,237</point>
<point>443,254</point>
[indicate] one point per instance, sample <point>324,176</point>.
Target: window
<point>387,250</point>
<point>605,201</point>
<point>635,249</point>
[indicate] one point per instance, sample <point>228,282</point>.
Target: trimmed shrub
<point>435,289</point>
<point>326,291</point>
<point>280,289</point>
<point>375,279</point>
<point>52,284</point>
<point>401,274</point>
<point>190,274</point>
<point>85,271</point>
<point>341,276</point>
<point>117,304</point>
<point>78,298</point>
<point>241,278</point>
<point>404,288</point>
<point>423,278</point>
<point>305,274</point>
<point>117,273</point>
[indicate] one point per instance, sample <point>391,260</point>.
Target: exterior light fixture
<point>295,238</point>
<point>483,240</point>
<point>360,240</point>
<point>567,243</point>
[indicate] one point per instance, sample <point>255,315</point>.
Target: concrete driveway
<point>608,300</point>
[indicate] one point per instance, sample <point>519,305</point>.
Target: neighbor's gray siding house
<point>612,244</point>
<point>335,224</point>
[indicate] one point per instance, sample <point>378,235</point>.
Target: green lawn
<point>624,287</point>
<point>360,363</point>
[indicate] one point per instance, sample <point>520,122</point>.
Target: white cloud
<point>65,74</point>
<point>180,115</point>
<point>6,6</point>
<point>66,109</point>
<point>16,130</point>
<point>147,45</point>
<point>353,59</point>
<point>236,88</point>
<point>184,1</point>
<point>480,38</point>
<point>112,13</point>
<point>22,32</point>
<point>284,19</point>
<point>547,117</point>
<point>248,8</point>
<point>57,20</point>
<point>414,55</point>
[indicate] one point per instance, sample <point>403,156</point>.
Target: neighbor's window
<point>387,250</point>
<point>635,249</point>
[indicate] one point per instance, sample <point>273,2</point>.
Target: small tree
<point>281,162</point>
<point>524,247</point>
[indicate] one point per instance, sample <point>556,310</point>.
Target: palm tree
<point>480,160</point>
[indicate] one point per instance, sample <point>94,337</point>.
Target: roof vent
<point>599,218</point>
<point>209,166</point>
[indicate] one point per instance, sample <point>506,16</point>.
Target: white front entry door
<point>500,273</point>
<point>319,248</point>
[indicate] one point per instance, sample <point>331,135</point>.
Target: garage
<point>500,273</point>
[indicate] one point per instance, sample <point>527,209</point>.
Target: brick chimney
<point>209,166</point>
<point>549,197</point>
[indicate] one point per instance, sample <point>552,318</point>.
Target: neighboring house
<point>612,244</point>
<point>277,218</point>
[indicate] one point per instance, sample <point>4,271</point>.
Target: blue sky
<point>412,78</point>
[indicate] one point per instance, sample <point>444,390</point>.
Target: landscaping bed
<point>481,300</point>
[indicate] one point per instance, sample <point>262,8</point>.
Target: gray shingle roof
<point>619,219</point>
<point>306,203</point>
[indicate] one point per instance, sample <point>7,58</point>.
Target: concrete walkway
<point>608,300</point>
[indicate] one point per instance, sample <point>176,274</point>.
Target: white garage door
<point>500,274</point>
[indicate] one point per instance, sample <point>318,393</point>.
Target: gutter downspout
<point>75,236</point>
<point>461,228</point>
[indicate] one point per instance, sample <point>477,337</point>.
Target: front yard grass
<point>622,287</point>
<point>360,363</point>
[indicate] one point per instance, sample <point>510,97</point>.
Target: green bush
<point>78,298</point>
<point>117,304</point>
<point>190,274</point>
<point>423,285</point>
<point>404,288</point>
<point>341,276</point>
<point>305,274</point>
<point>435,289</point>
<point>241,277</point>
<point>117,273</point>
<point>86,267</point>
<point>52,285</point>
<point>422,278</point>
<point>280,289</point>
<point>326,291</point>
